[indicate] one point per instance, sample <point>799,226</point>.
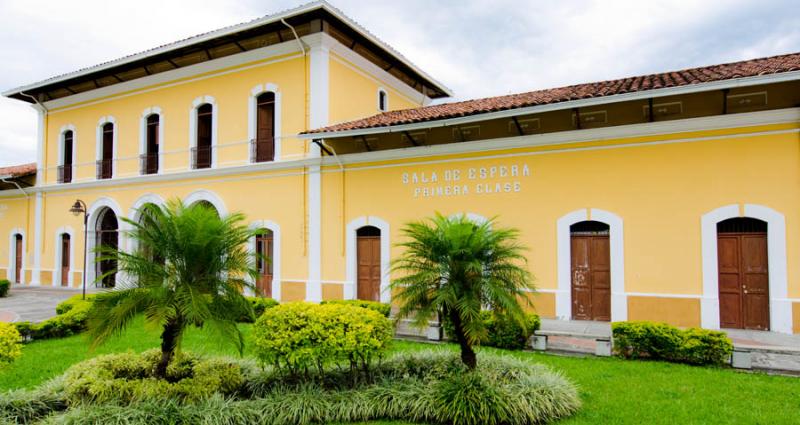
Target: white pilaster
<point>318,117</point>
<point>37,242</point>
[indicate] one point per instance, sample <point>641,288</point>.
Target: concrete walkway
<point>740,337</point>
<point>32,303</point>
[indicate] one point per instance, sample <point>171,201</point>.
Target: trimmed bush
<point>502,332</point>
<point>5,285</point>
<point>72,314</point>
<point>128,377</point>
<point>299,336</point>
<point>382,308</point>
<point>660,341</point>
<point>10,343</point>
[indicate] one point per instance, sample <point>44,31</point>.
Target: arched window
<point>149,159</point>
<point>368,263</point>
<point>107,236</point>
<point>265,252</point>
<point>202,151</point>
<point>105,167</point>
<point>67,146</point>
<point>383,101</point>
<point>264,143</point>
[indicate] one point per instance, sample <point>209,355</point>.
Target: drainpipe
<point>329,148</point>
<point>4,179</point>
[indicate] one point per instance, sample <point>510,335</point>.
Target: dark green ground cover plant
<point>423,387</point>
<point>502,332</point>
<point>453,267</point>
<point>5,285</point>
<point>660,341</point>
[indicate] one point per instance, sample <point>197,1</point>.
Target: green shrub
<point>10,343</point>
<point>423,387</point>
<point>660,341</point>
<point>301,336</point>
<point>502,332</point>
<point>382,308</point>
<point>71,319</point>
<point>260,305</point>
<point>128,377</point>
<point>73,301</point>
<point>5,285</point>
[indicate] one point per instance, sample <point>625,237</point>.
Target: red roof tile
<point>19,170</point>
<point>748,68</point>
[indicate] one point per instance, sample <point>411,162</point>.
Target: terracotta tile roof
<point>707,74</point>
<point>19,170</point>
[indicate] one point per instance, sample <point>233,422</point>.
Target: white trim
<point>351,269</point>
<point>318,108</point>
<point>98,152</point>
<point>38,236</point>
<point>41,113</point>
<point>252,107</point>
<point>619,300</point>
<point>780,307</point>
<point>60,159</point>
<point>208,196</point>
<point>486,147</point>
<point>91,233</point>
<point>154,110</point>
<point>275,228</point>
<point>134,214</point>
<point>197,103</point>
<point>12,251</point>
<point>57,265</point>
<point>231,30</point>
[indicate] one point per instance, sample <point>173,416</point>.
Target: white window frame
<point>275,228</point>
<point>60,161</point>
<point>60,232</point>
<point>351,272</point>
<point>98,154</point>
<point>196,104</point>
<point>385,106</point>
<point>252,105</point>
<point>154,110</point>
<point>12,257</point>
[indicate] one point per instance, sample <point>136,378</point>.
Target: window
<point>383,101</point>
<point>65,170</point>
<point>264,254</point>
<point>106,161</point>
<point>264,143</point>
<point>64,268</point>
<point>149,159</point>
<point>201,152</point>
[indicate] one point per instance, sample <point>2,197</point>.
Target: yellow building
<point>667,197</point>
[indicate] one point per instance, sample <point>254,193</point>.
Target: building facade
<point>670,197</point>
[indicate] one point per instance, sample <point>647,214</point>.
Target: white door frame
<point>350,287</point>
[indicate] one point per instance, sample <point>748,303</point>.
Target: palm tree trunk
<point>467,353</point>
<point>169,340</point>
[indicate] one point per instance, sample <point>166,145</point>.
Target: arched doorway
<point>18,257</point>
<point>743,268</point>
<point>265,254</point>
<point>107,235</point>
<point>65,257</point>
<point>590,271</point>
<point>368,261</point>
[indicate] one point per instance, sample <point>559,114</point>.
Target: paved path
<point>739,337</point>
<point>30,303</point>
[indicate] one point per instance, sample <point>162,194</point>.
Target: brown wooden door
<point>743,280</point>
<point>264,251</point>
<point>591,277</point>
<point>18,259</point>
<point>65,260</point>
<point>265,128</point>
<point>369,268</point>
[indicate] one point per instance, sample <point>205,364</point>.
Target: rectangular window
<point>105,164</point>
<point>202,152</point>
<point>265,128</point>
<point>149,160</point>
<point>65,170</point>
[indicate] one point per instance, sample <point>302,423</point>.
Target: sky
<point>477,48</point>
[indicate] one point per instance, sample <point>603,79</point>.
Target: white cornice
<point>667,128</point>
<point>617,98</point>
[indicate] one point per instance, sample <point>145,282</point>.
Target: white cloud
<point>477,48</point>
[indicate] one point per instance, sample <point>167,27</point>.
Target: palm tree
<point>452,267</point>
<point>189,268</point>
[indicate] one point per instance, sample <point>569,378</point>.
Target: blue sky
<point>476,47</point>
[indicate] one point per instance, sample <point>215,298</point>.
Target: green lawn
<point>613,391</point>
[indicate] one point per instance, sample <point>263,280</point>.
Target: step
<point>767,358</point>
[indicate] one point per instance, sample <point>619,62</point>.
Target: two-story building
<point>668,197</point>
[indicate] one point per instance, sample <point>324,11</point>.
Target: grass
<point>613,391</point>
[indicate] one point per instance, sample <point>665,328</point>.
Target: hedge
<point>382,308</point>
<point>299,337</point>
<point>4,287</point>
<point>501,331</point>
<point>71,319</point>
<point>660,341</point>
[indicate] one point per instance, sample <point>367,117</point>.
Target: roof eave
<point>669,91</point>
<point>310,7</point>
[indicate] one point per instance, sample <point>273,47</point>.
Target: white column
<point>318,117</point>
<point>37,243</point>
